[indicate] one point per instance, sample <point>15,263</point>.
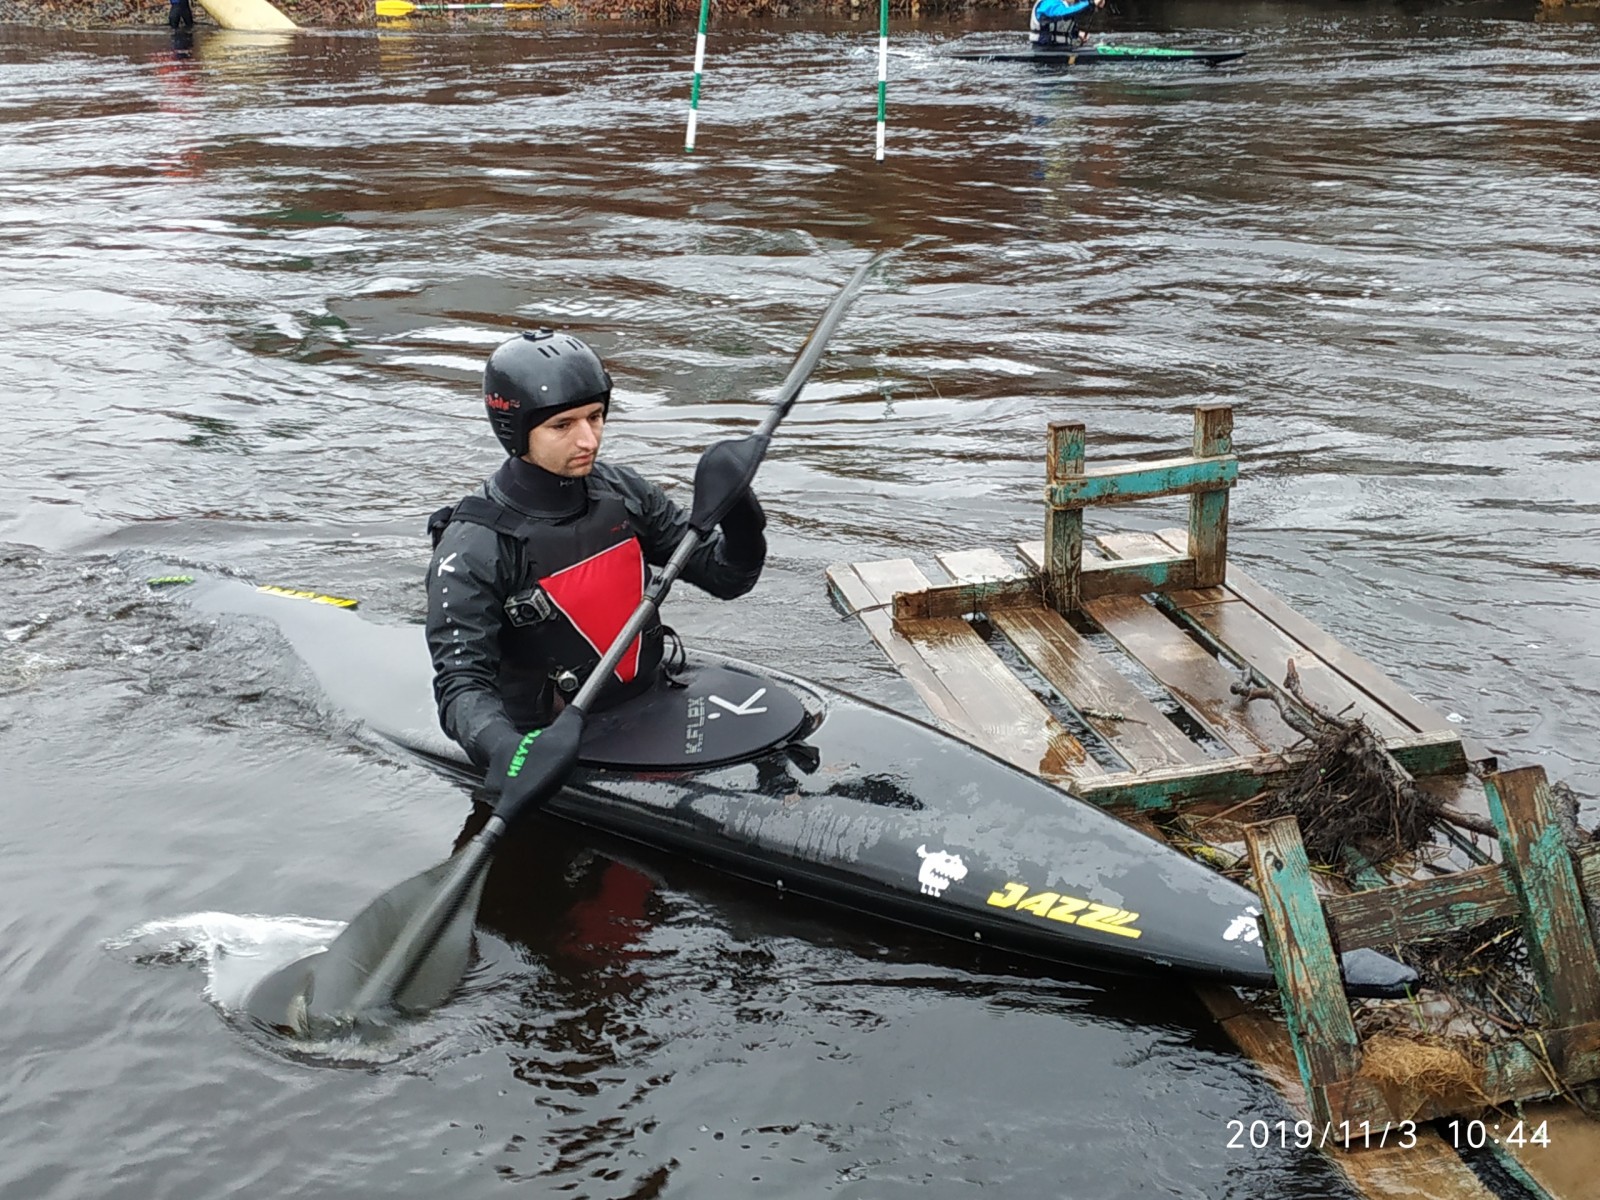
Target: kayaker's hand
<point>742,530</point>
<point>538,765</point>
<point>503,791</point>
<point>500,757</point>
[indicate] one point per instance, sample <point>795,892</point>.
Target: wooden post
<point>1295,934</point>
<point>1561,946</point>
<point>1063,528</point>
<point>1208,511</point>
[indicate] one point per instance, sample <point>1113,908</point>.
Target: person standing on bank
<point>535,573</point>
<point>180,15</point>
<point>1055,22</point>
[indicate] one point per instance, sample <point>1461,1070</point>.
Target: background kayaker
<point>180,15</point>
<point>1055,22</point>
<point>535,573</point>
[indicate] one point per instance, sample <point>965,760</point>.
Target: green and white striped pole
<point>699,66</point>
<point>883,72</point>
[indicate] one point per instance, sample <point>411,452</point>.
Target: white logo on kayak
<point>445,565</point>
<point>694,734</point>
<point>739,710</point>
<point>939,870</point>
<point>1244,926</point>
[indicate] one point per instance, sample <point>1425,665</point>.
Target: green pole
<point>883,72</point>
<point>699,66</point>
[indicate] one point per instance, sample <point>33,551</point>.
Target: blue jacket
<point>1054,10</point>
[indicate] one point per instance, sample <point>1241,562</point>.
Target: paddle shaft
<point>811,349</point>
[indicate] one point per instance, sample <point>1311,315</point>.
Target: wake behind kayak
<point>802,788</point>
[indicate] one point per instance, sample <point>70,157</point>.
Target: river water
<point>244,289</point>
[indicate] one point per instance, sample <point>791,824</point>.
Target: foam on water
<point>237,951</point>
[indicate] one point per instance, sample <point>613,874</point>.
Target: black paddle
<point>407,950</point>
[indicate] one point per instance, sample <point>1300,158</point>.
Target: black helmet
<point>531,378</point>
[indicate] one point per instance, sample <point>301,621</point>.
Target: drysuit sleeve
<point>467,590</point>
<point>727,564</point>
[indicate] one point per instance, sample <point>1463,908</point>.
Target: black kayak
<point>801,788</point>
<point>1085,56</point>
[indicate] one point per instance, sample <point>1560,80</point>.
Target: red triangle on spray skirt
<point>599,594</point>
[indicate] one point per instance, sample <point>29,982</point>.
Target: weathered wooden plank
<point>1106,700</point>
<point>1208,511</point>
<point>1230,780</point>
<point>1296,939</point>
<point>1135,576</point>
<point>1425,908</point>
<point>1185,669</point>
<point>1001,714</point>
<point>943,600</point>
<point>1126,577</point>
<point>1142,481</point>
<point>1561,947</point>
<point>1587,861</point>
<point>1191,674</point>
<point>1347,662</point>
<point>1518,1071</point>
<point>856,597</point>
<point>1063,528</point>
<point>1240,632</point>
<point>1422,908</point>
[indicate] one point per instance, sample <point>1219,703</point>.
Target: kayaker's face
<point>568,443</point>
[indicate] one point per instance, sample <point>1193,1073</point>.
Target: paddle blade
<point>395,8</point>
<point>404,952</point>
<point>721,477</point>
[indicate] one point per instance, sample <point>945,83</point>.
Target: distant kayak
<point>1086,55</point>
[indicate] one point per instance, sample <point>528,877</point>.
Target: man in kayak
<point>535,573</point>
<point>1055,22</point>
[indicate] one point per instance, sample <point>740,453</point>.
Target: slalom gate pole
<point>883,72</point>
<point>699,67</point>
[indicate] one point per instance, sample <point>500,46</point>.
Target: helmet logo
<point>500,402</point>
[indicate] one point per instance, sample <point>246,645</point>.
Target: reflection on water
<point>246,288</point>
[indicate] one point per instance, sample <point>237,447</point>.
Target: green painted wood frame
<point>1206,476</point>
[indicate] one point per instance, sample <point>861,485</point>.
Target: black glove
<point>742,531</point>
<point>532,768</point>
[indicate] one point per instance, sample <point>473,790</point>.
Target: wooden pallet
<point>1111,674</point>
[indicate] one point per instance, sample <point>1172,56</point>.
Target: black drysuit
<point>497,627</point>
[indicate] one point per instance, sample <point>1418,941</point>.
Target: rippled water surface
<point>244,290</point>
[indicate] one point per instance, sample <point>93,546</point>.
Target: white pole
<point>883,73</point>
<point>699,66</point>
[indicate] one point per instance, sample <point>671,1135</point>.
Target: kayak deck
<point>1084,56</point>
<point>988,648</point>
